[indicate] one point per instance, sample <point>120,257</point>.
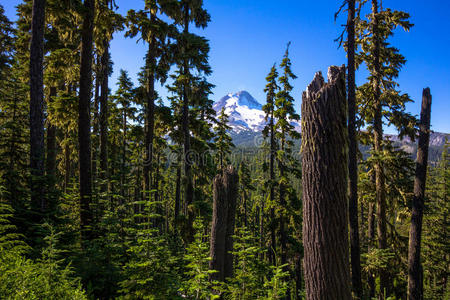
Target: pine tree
<point>436,226</point>
<point>285,135</point>
<point>154,31</point>
<point>223,140</point>
<point>191,59</point>
<point>37,151</point>
<point>269,132</point>
<point>84,119</point>
<point>384,63</point>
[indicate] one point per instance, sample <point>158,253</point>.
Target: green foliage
<point>152,269</point>
<point>436,244</point>
<point>23,278</point>
<point>278,284</point>
<point>223,139</point>
<point>250,271</point>
<point>197,284</point>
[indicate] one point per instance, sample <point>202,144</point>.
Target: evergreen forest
<point>112,190</point>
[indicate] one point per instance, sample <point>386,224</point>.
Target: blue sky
<point>248,36</point>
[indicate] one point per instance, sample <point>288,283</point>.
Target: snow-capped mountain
<point>244,112</point>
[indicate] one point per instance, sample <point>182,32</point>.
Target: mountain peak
<point>244,112</point>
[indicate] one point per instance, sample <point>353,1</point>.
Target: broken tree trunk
<point>325,172</point>
<point>225,192</point>
<point>415,287</point>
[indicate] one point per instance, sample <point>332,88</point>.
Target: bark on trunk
<point>51,148</point>
<point>104,117</point>
<point>415,273</point>
<point>177,195</point>
<point>378,139</point>
<point>272,192</point>
<point>371,241</point>
<point>37,152</point>
<point>150,117</point>
<point>96,121</point>
<point>324,180</point>
<point>352,156</point>
<point>225,192</point>
<point>84,120</point>
<point>189,191</point>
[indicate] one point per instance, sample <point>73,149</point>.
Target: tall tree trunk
<point>352,156</point>
<point>283,210</point>
<point>104,116</point>
<point>225,191</point>
<point>189,192</point>
<point>51,148</point>
<point>124,154</point>
<point>378,147</point>
<point>177,195</point>
<point>298,275</point>
<point>67,169</point>
<point>324,180</point>
<point>37,153</point>
<point>84,120</point>
<point>415,273</point>
<point>272,192</point>
<point>96,121</point>
<point>150,117</point>
<point>371,241</point>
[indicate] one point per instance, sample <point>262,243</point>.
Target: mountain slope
<point>245,112</point>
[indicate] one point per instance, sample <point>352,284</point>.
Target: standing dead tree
<point>415,273</point>
<point>225,188</point>
<point>324,180</point>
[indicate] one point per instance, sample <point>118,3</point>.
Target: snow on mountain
<point>244,112</point>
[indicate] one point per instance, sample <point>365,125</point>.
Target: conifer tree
<point>84,132</point>
<point>37,151</point>
<point>191,58</point>
<point>223,139</point>
<point>153,30</point>
<point>285,134</point>
<point>384,63</point>
<point>350,46</point>
<point>269,132</point>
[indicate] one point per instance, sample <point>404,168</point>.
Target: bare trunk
<point>51,148</point>
<point>415,272</point>
<point>177,195</point>
<point>104,116</point>
<point>324,180</point>
<point>225,193</point>
<point>37,151</point>
<point>96,121</point>
<point>371,241</point>
<point>272,257</point>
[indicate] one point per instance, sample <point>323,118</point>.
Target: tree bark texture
<point>415,273</point>
<point>352,156</point>
<point>104,115</point>
<point>189,191</point>
<point>225,193</point>
<point>37,152</point>
<point>51,147</point>
<point>84,119</point>
<point>324,180</point>
<point>150,116</point>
